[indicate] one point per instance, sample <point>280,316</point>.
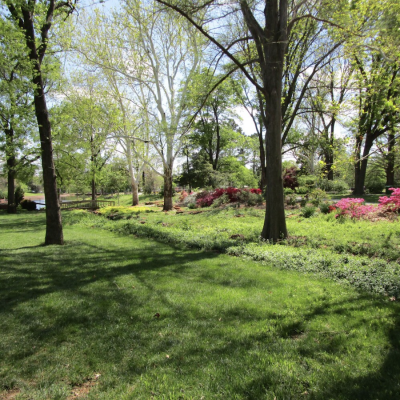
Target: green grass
<point>228,328</point>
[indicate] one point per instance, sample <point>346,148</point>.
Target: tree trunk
<point>390,161</point>
<point>361,168</point>
<point>54,231</point>
<point>93,184</point>
<point>11,164</point>
<point>135,193</point>
<point>263,180</point>
<point>167,189</point>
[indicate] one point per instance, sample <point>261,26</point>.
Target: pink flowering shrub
<point>392,203</point>
<point>205,198</point>
<point>353,208</point>
<point>183,195</point>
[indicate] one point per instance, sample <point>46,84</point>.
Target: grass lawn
<point>120,317</point>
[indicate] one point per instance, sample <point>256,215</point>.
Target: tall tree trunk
<point>54,231</point>
<point>11,164</point>
<point>167,189</point>
<point>135,193</point>
<point>390,161</point>
<point>361,168</point>
<point>93,184</point>
<point>263,180</point>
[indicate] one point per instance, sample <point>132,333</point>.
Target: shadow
<point>88,307</point>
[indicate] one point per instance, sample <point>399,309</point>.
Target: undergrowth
<point>360,253</point>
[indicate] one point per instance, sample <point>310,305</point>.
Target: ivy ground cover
<point>121,317</point>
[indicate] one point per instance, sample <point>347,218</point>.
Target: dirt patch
<point>80,391</point>
<point>9,394</point>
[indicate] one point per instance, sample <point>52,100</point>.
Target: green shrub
<point>192,206</point>
<point>248,198</point>
<point>220,201</point>
<point>338,186</point>
<point>28,205</point>
<point>287,191</point>
<point>317,196</point>
<point>324,208</point>
<point>307,180</point>
<point>369,274</point>
<point>19,194</point>
<point>307,212</point>
<point>302,190</point>
<point>375,187</point>
<point>290,200</point>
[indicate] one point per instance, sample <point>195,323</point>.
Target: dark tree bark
<point>271,46</point>
<point>25,21</point>
<point>11,165</point>
<point>360,169</point>
<point>390,161</point>
<point>168,191</point>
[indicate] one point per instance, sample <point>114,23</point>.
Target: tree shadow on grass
<point>88,306</point>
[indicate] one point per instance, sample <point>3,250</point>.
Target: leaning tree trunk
<point>11,164</point>
<point>167,189</point>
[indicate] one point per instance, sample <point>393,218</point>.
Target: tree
<point>16,108</point>
<point>35,21</point>
<point>270,43</point>
<point>378,109</point>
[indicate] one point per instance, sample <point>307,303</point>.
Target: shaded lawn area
<point>80,320</point>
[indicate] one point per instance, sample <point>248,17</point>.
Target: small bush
<point>19,194</point>
<point>290,178</point>
<point>338,186</point>
<point>375,187</point>
<point>191,198</point>
<point>192,206</point>
<point>220,201</point>
<point>302,190</point>
<point>28,205</point>
<point>317,196</point>
<point>325,208</point>
<point>307,212</point>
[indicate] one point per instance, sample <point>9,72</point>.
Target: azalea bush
<point>353,208</point>
<point>392,203</point>
<point>247,196</point>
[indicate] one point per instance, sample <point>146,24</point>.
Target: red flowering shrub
<point>290,178</point>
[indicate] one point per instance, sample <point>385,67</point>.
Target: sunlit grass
<point>81,317</point>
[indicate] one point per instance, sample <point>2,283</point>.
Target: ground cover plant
<point>371,249</point>
<point>111,316</point>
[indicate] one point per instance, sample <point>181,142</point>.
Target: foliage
<point>325,208</point>
<point>354,208</point>
<point>290,178</point>
<point>307,212</point>
<point>317,196</point>
<point>375,186</point>
<point>19,194</point>
<point>391,203</point>
<point>247,196</point>
<point>338,186</point>
<point>374,276</point>
<point>28,205</point>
